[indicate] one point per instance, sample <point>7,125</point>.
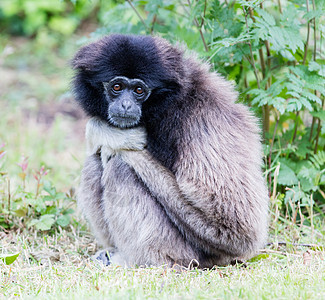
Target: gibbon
<point>173,172</point>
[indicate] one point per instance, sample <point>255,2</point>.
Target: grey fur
<point>212,206</point>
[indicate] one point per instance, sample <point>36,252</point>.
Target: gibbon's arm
<point>108,140</point>
<point>163,186</point>
<point>111,141</point>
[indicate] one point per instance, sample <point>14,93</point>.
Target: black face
<point>125,97</point>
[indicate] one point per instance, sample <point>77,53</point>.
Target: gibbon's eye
<point>139,90</point>
<point>117,87</point>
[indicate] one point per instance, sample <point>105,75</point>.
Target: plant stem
<point>260,51</point>
<point>266,108</point>
<point>204,12</point>
<point>314,57</point>
<point>9,196</point>
<point>317,135</point>
<point>267,45</point>
<point>312,129</point>
<point>251,52</point>
<point>271,148</point>
<point>268,52</point>
<point>200,26</point>
<point>153,23</point>
<point>266,119</point>
<point>280,7</point>
<point>311,217</point>
<point>308,33</point>
<point>296,128</point>
<point>315,35</point>
<point>138,14</point>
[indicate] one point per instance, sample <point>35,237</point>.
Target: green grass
<point>34,112</point>
<point>53,145</point>
<point>67,273</point>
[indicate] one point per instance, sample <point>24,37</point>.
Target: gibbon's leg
<point>90,199</point>
<point>221,234</point>
<point>142,232</point>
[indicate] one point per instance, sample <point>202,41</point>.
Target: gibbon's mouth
<point>123,121</point>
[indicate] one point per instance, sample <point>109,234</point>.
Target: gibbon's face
<point>125,98</point>
<point>125,80</point>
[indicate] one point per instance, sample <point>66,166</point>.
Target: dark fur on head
<point>121,55</point>
<point>134,57</point>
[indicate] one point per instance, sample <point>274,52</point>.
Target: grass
<point>35,120</point>
<point>53,145</point>
<point>65,273</point>
<point>38,114</point>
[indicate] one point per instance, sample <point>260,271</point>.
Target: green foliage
<point>45,209</point>
<point>30,17</point>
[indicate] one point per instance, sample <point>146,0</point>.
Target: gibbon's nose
<point>126,105</point>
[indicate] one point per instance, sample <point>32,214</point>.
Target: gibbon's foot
<point>238,262</point>
<point>102,256</point>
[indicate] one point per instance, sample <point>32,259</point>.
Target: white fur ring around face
<point>110,140</point>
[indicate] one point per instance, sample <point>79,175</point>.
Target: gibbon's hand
<point>109,140</point>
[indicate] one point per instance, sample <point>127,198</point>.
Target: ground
<point>57,267</point>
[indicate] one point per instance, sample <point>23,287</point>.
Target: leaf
<point>9,258</point>
<point>63,25</point>
<point>277,39</point>
<point>63,220</point>
<point>294,195</point>
<point>259,257</point>
<point>40,205</point>
<point>45,222</point>
<point>21,212</point>
<point>279,103</point>
<point>294,94</point>
<point>60,195</point>
<point>51,210</point>
<point>251,3</point>
<point>303,101</point>
<point>318,114</point>
<point>294,105</point>
<point>286,175</point>
<point>293,39</point>
<point>68,211</point>
<point>313,66</point>
<point>304,147</point>
<point>268,18</point>
<point>48,187</point>
<point>308,178</point>
<point>311,97</point>
<point>287,54</point>
<point>319,68</point>
<point>313,14</point>
<point>318,159</point>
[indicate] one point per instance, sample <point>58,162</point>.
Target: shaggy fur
<point>196,191</point>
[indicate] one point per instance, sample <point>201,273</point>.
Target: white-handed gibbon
<point>173,173</point>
